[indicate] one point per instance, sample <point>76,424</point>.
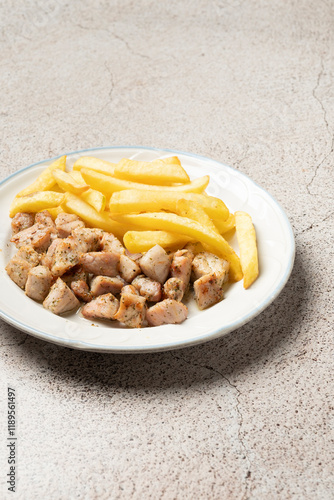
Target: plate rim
<point>217,332</point>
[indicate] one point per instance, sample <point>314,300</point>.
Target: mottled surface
<point>249,416</point>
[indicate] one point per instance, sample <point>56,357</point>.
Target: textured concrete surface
<point>249,416</point>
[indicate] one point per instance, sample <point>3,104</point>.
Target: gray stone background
<point>249,416</point>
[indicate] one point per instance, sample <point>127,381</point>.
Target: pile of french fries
<point>144,204</point>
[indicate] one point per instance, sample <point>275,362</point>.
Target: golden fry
<point>142,241</point>
<point>247,245</point>
<point>95,198</point>
<point>66,182</point>
<point>108,185</point>
<point>225,226</point>
<point>182,225</point>
<point>45,181</point>
<point>154,172</point>
<point>194,211</point>
<point>103,166</point>
<point>74,204</point>
<point>36,202</point>
<point>135,201</point>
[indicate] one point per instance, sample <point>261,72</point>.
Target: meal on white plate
<point>126,242</point>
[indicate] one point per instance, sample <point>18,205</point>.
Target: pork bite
<point>44,218</point>
<point>47,259</point>
<point>209,290</point>
<point>106,284</point>
<point>38,236</point>
<point>180,269</point>
<point>66,223</point>
<point>173,289</point>
<point>60,298</point>
<point>102,307</point>
<point>132,310</point>
<point>100,263</point>
<point>148,288</point>
<point>208,263</point>
<point>18,270</point>
<point>112,244</point>
<point>38,282</point>
<point>27,253</point>
<point>167,311</point>
<point>88,239</point>
<point>128,268</point>
<point>21,221</point>
<point>65,257</point>
<point>155,264</point>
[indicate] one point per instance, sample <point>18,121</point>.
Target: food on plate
<point>127,242</point>
<point>248,248</point>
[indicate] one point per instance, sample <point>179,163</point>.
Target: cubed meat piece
<point>81,290</point>
<point>60,298</point>
<point>21,221</point>
<point>112,244</point>
<point>66,223</point>
<point>47,259</point>
<point>209,290</point>
<point>38,282</point>
<point>100,263</point>
<point>75,274</point>
<point>65,256</point>
<point>18,270</point>
<point>128,268</point>
<point>102,307</point>
<point>38,236</point>
<point>44,218</point>
<point>173,289</point>
<point>130,289</point>
<point>106,284</point>
<point>132,310</point>
<point>148,288</point>
<point>181,269</point>
<point>155,264</point>
<point>208,263</point>
<point>29,254</point>
<point>134,256</point>
<point>167,311</point>
<point>88,239</point>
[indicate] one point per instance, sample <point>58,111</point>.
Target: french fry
<point>66,182</point>
<point>108,185</point>
<point>36,202</point>
<point>103,166</point>
<point>135,201</point>
<point>142,241</point>
<point>45,181</point>
<point>95,198</point>
<point>75,205</point>
<point>154,172</point>
<point>247,246</point>
<point>224,226</point>
<point>182,225</point>
<point>194,211</point>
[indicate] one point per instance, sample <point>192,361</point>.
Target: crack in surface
<point>246,494</point>
<point>331,135</point>
<point>316,224</point>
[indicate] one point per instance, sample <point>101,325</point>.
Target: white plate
<point>276,257</point>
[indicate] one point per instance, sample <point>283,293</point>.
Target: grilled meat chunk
<point>106,284</point>
<point>148,288</point>
<point>38,236</point>
<point>100,263</point>
<point>209,290</point>
<point>29,254</point>
<point>88,239</point>
<point>66,256</point>
<point>128,268</point>
<point>112,244</point>
<point>173,289</point>
<point>167,311</point>
<point>66,223</point>
<point>38,282</point>
<point>21,221</point>
<point>208,263</point>
<point>102,307</point>
<point>60,298</point>
<point>132,309</point>
<point>18,270</point>
<point>155,264</point>
<point>181,269</point>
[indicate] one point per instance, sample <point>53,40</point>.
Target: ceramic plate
<point>276,256</point>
